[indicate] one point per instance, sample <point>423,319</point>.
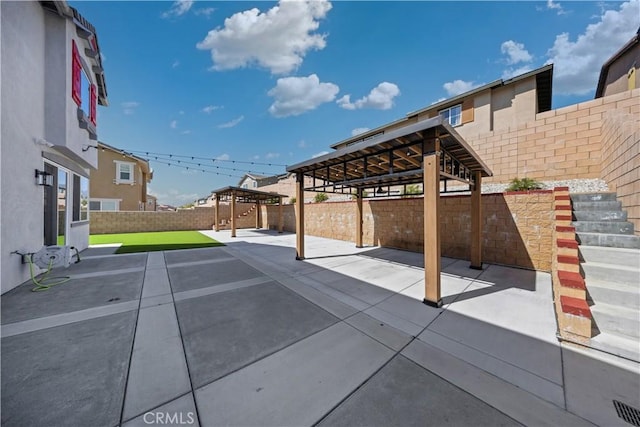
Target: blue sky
<point>278,83</point>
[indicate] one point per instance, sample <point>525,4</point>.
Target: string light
<point>171,155</point>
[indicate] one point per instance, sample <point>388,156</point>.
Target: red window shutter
<point>76,80</point>
<point>93,100</point>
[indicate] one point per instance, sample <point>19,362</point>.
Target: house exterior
<point>620,73</point>
<point>52,81</point>
<point>152,203</point>
<point>120,181</point>
<point>494,106</point>
<point>250,180</point>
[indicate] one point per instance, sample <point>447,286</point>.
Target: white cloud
<point>512,72</point>
<point>302,144</point>
<point>173,124</point>
<point>256,157</point>
<point>295,95</point>
<point>577,63</point>
<point>380,98</point>
<point>175,64</point>
<point>555,6</point>
<point>185,132</point>
<point>438,100</point>
<point>272,155</point>
<point>178,8</point>
<point>210,108</point>
<point>129,107</point>
<point>277,39</point>
<point>173,196</point>
<point>515,52</point>
<point>204,11</point>
<point>181,112</point>
<point>232,123</point>
<point>224,156</point>
<point>358,131</point>
<point>322,153</point>
<point>457,87</point>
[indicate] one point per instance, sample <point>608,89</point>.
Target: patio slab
<point>108,263</point>
<point>186,278</point>
<point>68,375</point>
<point>405,394</point>
<point>226,331</point>
<point>189,255</point>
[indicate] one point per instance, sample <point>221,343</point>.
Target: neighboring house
<point>52,81</point>
<point>250,181</point>
<point>498,105</point>
<point>152,203</point>
<point>120,181</point>
<point>166,208</point>
<point>620,73</point>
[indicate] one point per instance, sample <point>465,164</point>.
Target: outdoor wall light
<point>86,147</point>
<point>44,178</point>
<point>380,190</point>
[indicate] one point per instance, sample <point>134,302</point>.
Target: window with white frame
<point>453,115</point>
<point>104,204</point>
<point>125,172</point>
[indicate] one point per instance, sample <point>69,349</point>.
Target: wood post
<point>431,183</point>
<point>280,216</point>
<point>233,214</point>
<point>299,216</point>
<point>359,218</point>
<point>258,214</point>
<point>217,214</point>
<point>476,222</point>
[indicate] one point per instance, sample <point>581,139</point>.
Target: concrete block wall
<point>621,157</point>
<point>199,218</point>
<point>518,226</point>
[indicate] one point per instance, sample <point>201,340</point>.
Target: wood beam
<point>217,214</point>
<point>359,218</point>
<point>476,222</point>
<point>299,216</point>
<point>233,214</point>
<point>431,188</point>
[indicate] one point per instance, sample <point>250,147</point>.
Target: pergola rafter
<point>429,152</point>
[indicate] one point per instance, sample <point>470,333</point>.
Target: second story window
<point>124,172</point>
<point>453,115</point>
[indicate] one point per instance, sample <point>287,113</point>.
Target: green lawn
<point>156,241</point>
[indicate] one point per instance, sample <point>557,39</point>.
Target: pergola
<point>244,195</point>
<point>429,152</point>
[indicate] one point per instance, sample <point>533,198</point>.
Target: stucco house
<point>620,73</point>
<point>120,181</point>
<point>250,180</point>
<point>52,81</point>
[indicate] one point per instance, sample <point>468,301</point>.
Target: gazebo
<point>244,195</point>
<point>429,152</point>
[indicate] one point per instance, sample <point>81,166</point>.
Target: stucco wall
<point>103,186</point>
<point>517,227</point>
<point>617,79</point>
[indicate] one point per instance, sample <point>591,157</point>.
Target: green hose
<point>45,282</point>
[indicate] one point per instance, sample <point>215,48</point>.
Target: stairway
<point>610,264</point>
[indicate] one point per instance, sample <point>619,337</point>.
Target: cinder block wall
<point>198,218</point>
<point>517,226</point>
<point>621,159</point>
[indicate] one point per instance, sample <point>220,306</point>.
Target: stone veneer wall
<point>517,226</point>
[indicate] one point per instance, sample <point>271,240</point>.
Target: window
<point>254,184</point>
<point>83,92</point>
<point>80,198</point>
<point>124,172</point>
<point>453,115</point>
<point>104,204</point>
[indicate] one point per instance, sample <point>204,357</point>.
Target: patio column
<point>280,221</point>
<point>476,222</point>
<point>217,214</point>
<point>258,214</point>
<point>233,214</point>
<point>359,218</point>
<point>431,183</point>
<point>299,216</point>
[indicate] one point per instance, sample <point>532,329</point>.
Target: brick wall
<point>199,218</point>
<point>517,226</point>
<point>621,159</point>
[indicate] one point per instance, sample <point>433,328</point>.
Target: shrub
<point>292,201</point>
<point>524,184</point>
<point>320,197</point>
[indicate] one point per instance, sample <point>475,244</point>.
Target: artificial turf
<point>156,241</point>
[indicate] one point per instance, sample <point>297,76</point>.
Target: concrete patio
<point>245,335</point>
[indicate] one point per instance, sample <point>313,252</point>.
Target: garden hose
<point>45,282</point>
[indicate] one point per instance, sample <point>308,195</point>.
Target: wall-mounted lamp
<point>380,190</point>
<point>44,178</point>
<point>86,147</point>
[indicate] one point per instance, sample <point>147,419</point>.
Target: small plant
<point>292,201</point>
<point>411,190</point>
<point>524,184</point>
<point>320,197</point>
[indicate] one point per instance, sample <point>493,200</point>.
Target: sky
<point>249,87</point>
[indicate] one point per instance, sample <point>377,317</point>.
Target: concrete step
<point>608,240</point>
<point>619,345</point>
<point>597,206</point>
<point>600,215</point>
<point>616,256</point>
<point>593,197</point>
<point>610,227</point>
<point>617,320</point>
<point>610,273</point>
<point>622,294</point>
